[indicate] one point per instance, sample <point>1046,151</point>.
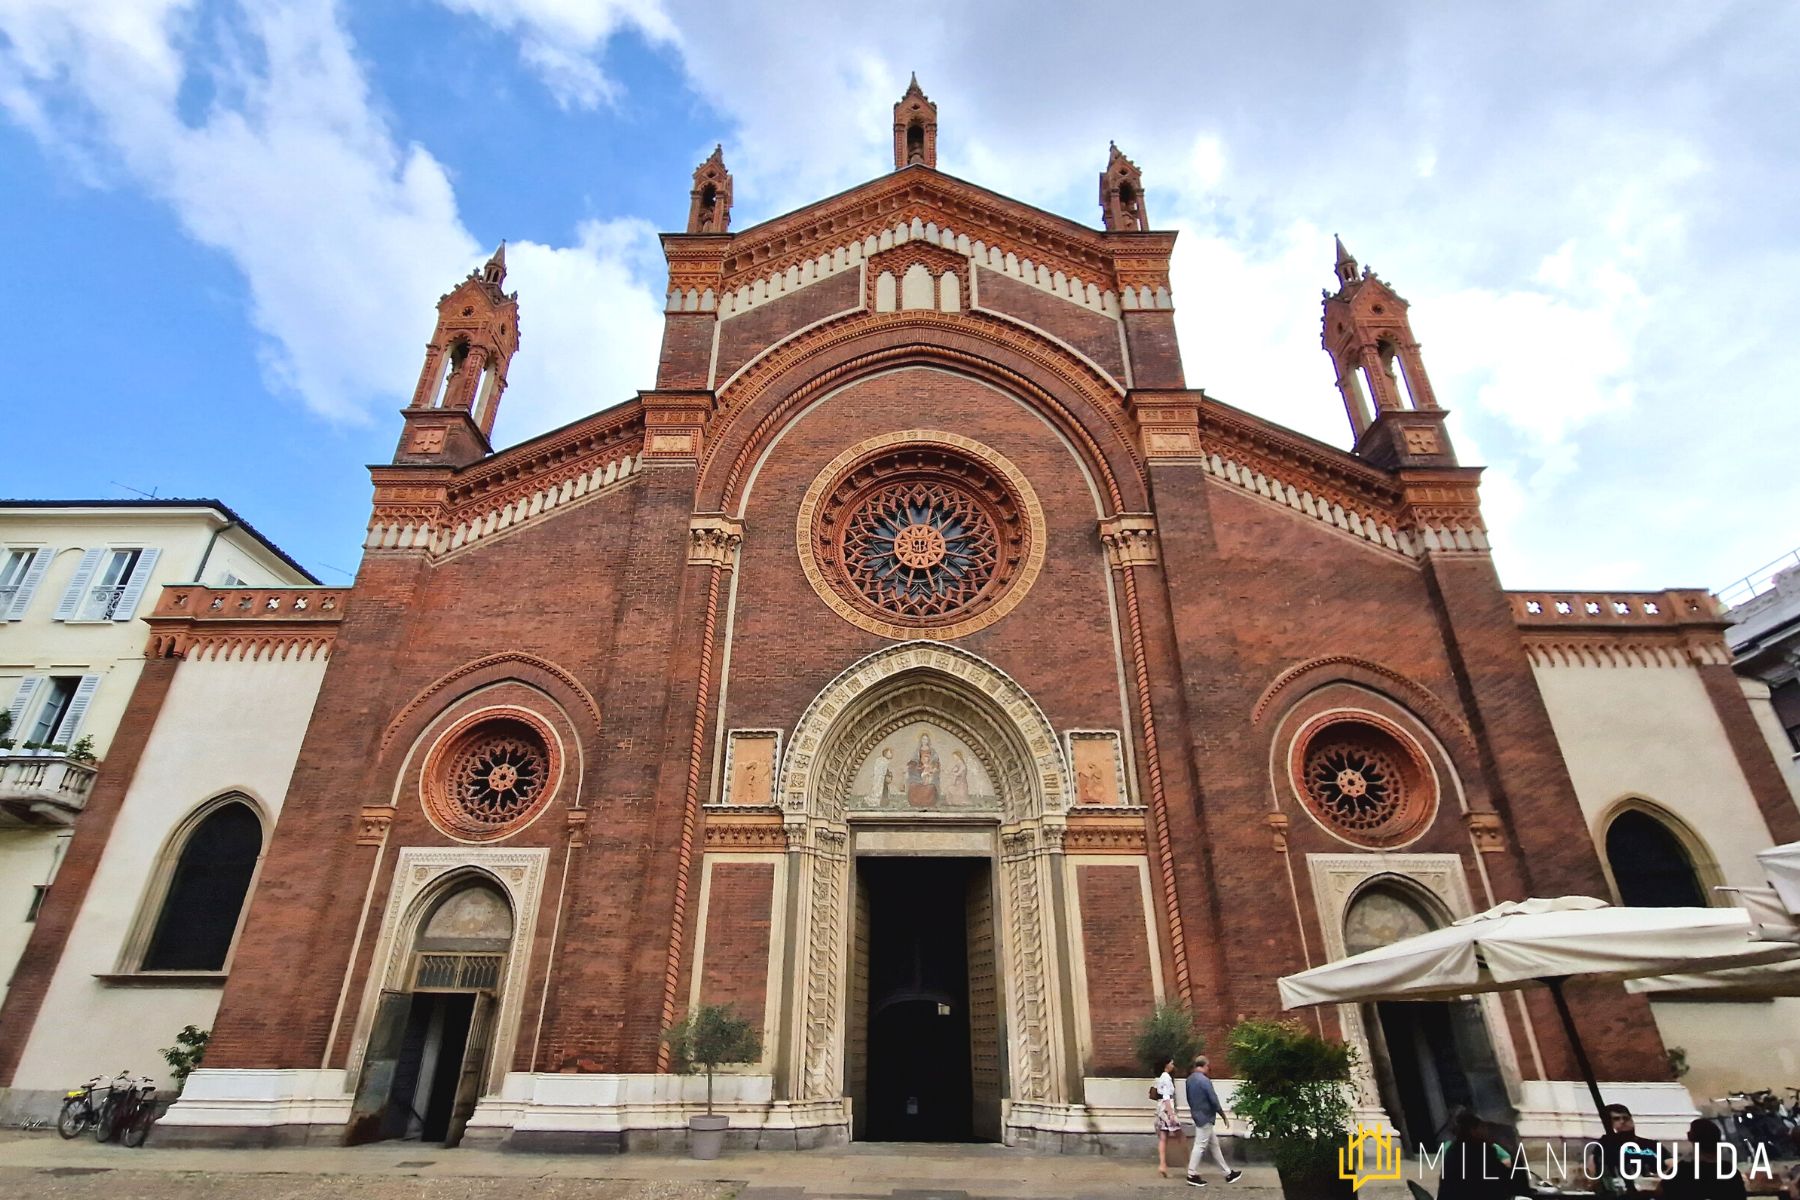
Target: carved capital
<point>372,824</point>
<point>1278,831</point>
<point>1130,540</point>
<point>577,826</point>
<point>1484,828</point>
<point>713,541</point>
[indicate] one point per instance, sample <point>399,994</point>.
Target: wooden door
<point>856,1019</point>
<point>375,1084</point>
<point>984,1005</point>
<point>473,1074</point>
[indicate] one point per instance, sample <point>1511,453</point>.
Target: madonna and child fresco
<point>923,767</point>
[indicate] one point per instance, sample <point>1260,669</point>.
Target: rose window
<point>920,549</point>
<point>489,779</point>
<point>920,537</point>
<point>1364,781</point>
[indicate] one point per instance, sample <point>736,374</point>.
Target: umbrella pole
<point>1555,984</point>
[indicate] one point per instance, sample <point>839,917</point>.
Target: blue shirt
<point>1203,1101</point>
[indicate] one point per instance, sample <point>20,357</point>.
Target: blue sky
<point>229,223</point>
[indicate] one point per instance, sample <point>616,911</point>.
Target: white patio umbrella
<point>1540,941</point>
<point>1770,921</point>
<point>1782,865</point>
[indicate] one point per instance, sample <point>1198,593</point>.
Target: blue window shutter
<point>28,687</point>
<point>78,586</point>
<point>78,706</point>
<point>34,575</point>
<point>134,587</point>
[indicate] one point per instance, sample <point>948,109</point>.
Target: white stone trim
<point>1074,289</point>
<point>417,870</point>
<point>1360,525</point>
<point>1562,1108</point>
<point>446,541</point>
<point>597,1103</point>
<point>261,1098</point>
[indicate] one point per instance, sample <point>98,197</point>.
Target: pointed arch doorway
<point>924,795</point>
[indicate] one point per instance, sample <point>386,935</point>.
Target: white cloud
<point>589,328</point>
<point>563,40</point>
<point>344,235</point>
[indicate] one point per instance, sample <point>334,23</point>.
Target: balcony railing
<point>42,787</point>
<point>100,604</point>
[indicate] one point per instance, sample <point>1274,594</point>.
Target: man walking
<point>1203,1102</point>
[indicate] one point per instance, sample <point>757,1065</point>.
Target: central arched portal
<point>925,796</point>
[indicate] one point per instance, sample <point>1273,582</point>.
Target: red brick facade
<point>636,581</point>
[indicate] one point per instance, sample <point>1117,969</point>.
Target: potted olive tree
<point>711,1036</point>
<point>1293,1092</point>
<point>1168,1033</point>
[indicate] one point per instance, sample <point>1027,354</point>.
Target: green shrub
<point>186,1053</point>
<point>1168,1032</point>
<point>1292,1091</point>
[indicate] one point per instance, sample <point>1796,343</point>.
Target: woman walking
<point>1168,1121</point>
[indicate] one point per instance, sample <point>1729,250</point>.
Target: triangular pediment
<point>967,212</point>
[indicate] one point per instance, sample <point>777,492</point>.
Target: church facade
<point>925,669</point>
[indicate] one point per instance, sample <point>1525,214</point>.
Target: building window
<point>1785,697</point>
<point>1650,865</point>
<point>108,587</point>
<point>59,696</point>
<point>13,565</point>
<point>1363,779</point>
<point>198,917</point>
<point>491,776</point>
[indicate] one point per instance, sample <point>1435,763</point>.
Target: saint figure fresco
<point>922,771</point>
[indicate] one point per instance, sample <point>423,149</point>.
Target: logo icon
<point>1369,1155</point>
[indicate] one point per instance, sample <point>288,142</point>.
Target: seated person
<point>1697,1175</point>
<point>1607,1160</point>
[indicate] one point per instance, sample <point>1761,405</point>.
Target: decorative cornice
<point>439,512</point>
<point>245,623</point>
<point>1130,540</point>
<point>713,540</point>
<point>1093,834</point>
<point>745,832</point>
<point>1679,627</point>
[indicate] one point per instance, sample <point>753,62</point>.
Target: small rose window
<point>490,777</point>
<point>1364,780</point>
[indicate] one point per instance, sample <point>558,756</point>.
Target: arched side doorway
<point>923,771</point>
<point>1429,1057</point>
<point>1416,1060</point>
<point>441,1013</point>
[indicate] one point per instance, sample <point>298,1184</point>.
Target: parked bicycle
<point>1757,1118</point>
<point>126,1110</point>
<point>79,1111</point>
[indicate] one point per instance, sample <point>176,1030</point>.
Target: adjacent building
<point>77,580</point>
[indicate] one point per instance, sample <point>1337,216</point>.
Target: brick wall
<point>1092,333</point>
<point>1120,987</point>
<point>735,967</point>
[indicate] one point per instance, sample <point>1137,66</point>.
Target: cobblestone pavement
<point>42,1165</point>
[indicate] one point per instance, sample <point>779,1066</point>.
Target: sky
<point>229,223</point>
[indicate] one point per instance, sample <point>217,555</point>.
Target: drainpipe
<point>200,571</point>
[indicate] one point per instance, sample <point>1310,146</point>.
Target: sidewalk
<point>31,1163</point>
